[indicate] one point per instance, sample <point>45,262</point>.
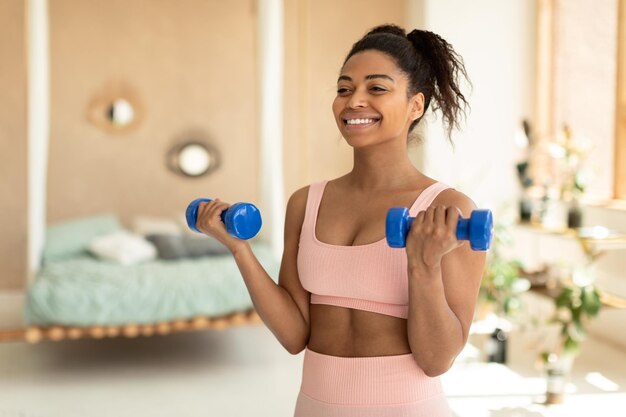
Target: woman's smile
<point>357,122</point>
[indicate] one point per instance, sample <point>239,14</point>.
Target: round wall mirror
<point>193,159</point>
<point>121,112</point>
<point>116,109</point>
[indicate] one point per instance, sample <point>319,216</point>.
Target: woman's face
<point>371,105</point>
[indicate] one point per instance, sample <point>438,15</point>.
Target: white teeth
<point>359,121</point>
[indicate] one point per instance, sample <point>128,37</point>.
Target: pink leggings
<point>378,386</point>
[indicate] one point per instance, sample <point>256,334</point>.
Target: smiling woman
<point>378,324</point>
<point>375,312</point>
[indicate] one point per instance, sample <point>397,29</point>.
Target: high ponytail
<point>445,66</point>
<point>431,65</point>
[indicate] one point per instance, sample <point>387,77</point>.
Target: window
<point>581,83</point>
<point>619,191</point>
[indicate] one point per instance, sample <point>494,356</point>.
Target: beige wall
<point>318,35</point>
<point>13,141</point>
<point>192,65</point>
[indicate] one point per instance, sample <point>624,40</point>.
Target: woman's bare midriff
<point>340,331</point>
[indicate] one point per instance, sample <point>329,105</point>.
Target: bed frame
<point>36,334</point>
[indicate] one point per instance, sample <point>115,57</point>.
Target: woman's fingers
<point>433,234</point>
<point>208,211</point>
<point>440,215</point>
<point>429,216</point>
<point>437,220</point>
<point>452,218</point>
<point>214,206</point>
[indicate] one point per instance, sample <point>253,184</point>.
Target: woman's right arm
<point>283,307</point>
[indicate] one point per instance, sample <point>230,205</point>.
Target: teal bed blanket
<point>85,291</point>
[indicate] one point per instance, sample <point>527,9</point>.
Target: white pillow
<point>147,225</point>
<point>123,247</point>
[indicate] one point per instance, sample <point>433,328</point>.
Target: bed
<point>78,294</point>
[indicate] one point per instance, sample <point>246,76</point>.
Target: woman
<point>378,324</point>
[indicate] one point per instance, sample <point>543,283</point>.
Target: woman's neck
<point>382,169</point>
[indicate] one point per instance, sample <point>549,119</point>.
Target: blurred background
<point>115,115</point>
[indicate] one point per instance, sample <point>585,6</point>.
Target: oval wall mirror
<point>193,158</point>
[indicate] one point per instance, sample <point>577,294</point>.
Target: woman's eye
<point>378,89</point>
<point>342,90</point>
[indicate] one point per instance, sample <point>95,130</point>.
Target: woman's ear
<point>416,106</point>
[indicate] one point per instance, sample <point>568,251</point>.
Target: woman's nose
<point>357,99</point>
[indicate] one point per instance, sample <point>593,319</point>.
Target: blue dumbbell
<point>478,229</point>
<point>242,220</point>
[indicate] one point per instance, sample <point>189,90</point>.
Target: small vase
<point>525,210</point>
<point>496,346</point>
<point>574,215</point>
<point>555,386</point>
<point>553,215</point>
<point>556,379</point>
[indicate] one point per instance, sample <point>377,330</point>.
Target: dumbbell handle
<point>242,220</point>
<point>462,227</point>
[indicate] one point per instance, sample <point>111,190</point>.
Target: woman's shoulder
<point>298,199</point>
<point>452,197</point>
<point>299,196</point>
<point>296,208</point>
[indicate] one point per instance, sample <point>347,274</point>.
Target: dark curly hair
<point>429,62</point>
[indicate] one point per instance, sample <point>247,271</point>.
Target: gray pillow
<point>168,246</point>
<point>203,245</point>
<point>176,246</point>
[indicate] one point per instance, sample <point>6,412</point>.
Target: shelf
<point>592,235</point>
<point>593,239</point>
<point>608,300</point>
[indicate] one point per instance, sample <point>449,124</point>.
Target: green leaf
<point>570,346</point>
<point>591,301</point>
<point>564,298</point>
<point>577,332</point>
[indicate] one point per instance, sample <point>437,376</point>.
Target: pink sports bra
<point>371,277</point>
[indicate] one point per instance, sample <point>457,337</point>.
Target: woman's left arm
<point>444,280</point>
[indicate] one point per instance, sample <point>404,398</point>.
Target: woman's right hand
<point>210,223</point>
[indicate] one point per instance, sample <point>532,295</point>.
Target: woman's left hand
<point>431,236</point>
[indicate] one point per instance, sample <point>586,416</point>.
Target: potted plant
<point>571,154</point>
<point>500,290</point>
<point>501,283</point>
<point>575,305</point>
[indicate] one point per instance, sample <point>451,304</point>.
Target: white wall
<point>496,40</point>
